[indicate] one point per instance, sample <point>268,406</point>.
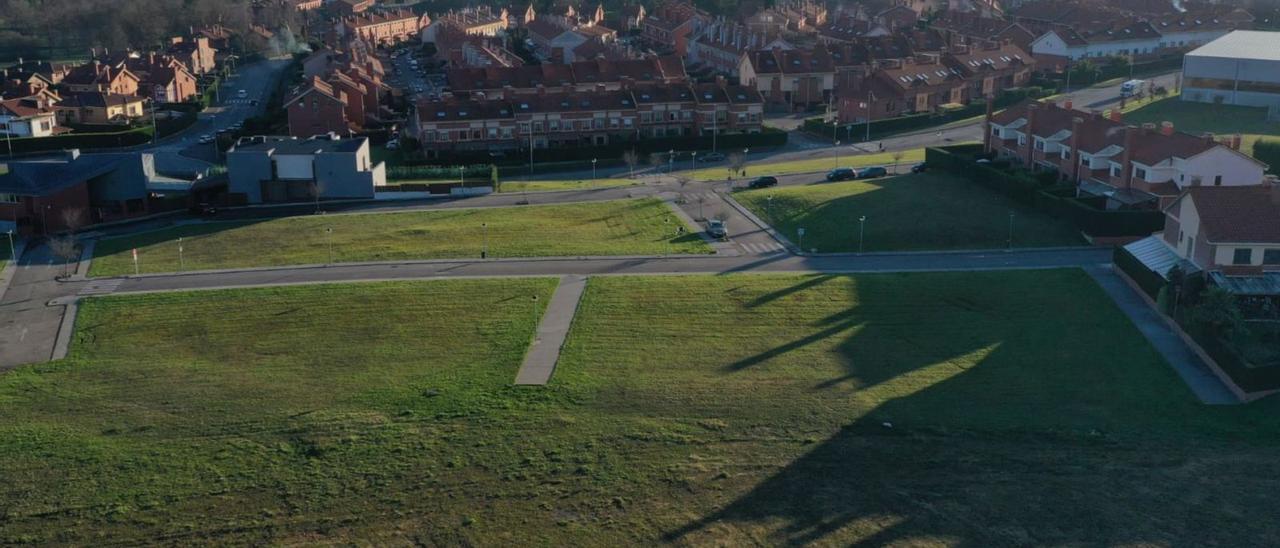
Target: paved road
<point>28,327</point>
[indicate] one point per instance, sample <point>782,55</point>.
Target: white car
<point>206,139</point>
<point>242,94</point>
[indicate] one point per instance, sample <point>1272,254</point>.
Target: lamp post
<point>1010,240</point>
<point>12,254</point>
<point>837,154</point>
<point>181,262</point>
<point>862,230</point>
<point>484,251</point>
<point>745,152</point>
<point>768,206</point>
<point>593,171</point>
<point>835,131</point>
<point>534,310</point>
<point>462,177</point>
<point>800,239</point>
<point>671,160</point>
<point>693,160</point>
<point>329,239</point>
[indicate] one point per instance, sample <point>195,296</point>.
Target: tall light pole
<point>181,262</point>
<point>671,160</point>
<point>329,238</point>
<point>462,177</point>
<point>835,132</point>
<point>693,160</point>
<point>862,230</point>
<point>534,309</point>
<point>1010,240</point>
<point>484,252</point>
<point>593,171</point>
<point>837,154</point>
<point>13,255</point>
<point>715,115</point>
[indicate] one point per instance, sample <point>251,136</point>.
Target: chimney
<point>1076,122</point>
<point>1115,115</point>
<point>1166,128</point>
<point>1236,140</point>
<point>986,126</point>
<point>1126,158</point>
<point>1148,129</point>
<point>1032,110</point>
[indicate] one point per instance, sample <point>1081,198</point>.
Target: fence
<point>1028,188</point>
<point>768,138</point>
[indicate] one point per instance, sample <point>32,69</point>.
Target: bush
<point>402,173</point>
<point>1267,151</point>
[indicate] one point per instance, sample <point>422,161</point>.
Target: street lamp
<point>835,129</point>
<point>693,160</point>
<point>534,309</point>
<point>671,160</point>
<point>800,240</point>
<point>462,177</point>
<point>181,263</point>
<point>593,171</point>
<point>484,252</point>
<point>768,206</point>
<point>329,239</point>
<point>1010,240</point>
<point>862,230</point>
<point>12,254</point>
<point>837,154</point>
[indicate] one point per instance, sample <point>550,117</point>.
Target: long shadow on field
<point>897,474</point>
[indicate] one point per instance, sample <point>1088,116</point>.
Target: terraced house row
<point>600,116</point>
<point>1139,167</point>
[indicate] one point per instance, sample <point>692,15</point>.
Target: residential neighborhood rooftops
<point>286,145</point>
<point>1237,214</point>
<point>50,175</point>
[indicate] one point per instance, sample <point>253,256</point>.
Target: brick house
<point>1236,229</point>
<point>790,79</point>
<point>103,187</point>
<point>670,25</point>
<point>318,109</point>
<point>196,53</point>
<point>100,108</point>
<point>389,27</point>
<point>98,77</point>
<point>1132,167</point>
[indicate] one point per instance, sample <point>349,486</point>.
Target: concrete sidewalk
<point>540,361</point>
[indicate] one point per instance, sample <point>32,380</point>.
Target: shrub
<point>1267,151</point>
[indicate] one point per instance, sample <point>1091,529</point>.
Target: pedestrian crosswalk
<point>101,287</point>
<point>762,248</point>
<point>237,101</point>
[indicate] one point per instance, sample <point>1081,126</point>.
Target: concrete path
<point>29,327</point>
<point>540,361</point>
<point>1188,365</point>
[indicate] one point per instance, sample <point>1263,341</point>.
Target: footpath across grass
<point>929,211</point>
<point>622,227</point>
<point>815,165</point>
<point>973,409</point>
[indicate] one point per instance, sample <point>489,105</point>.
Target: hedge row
<point>1246,376</point>
<point>1267,151</point>
<point>403,173</point>
<point>769,138</point>
<point>889,126</point>
<point>1038,191</point>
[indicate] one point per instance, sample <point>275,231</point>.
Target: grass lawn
<point>623,227</point>
<point>907,212</point>
<point>384,414</point>
<point>510,186</point>
<point>809,166</point>
<point>1197,118</point>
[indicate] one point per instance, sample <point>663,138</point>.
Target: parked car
<point>763,182</point>
<point>206,139</point>
<point>842,174</point>
<point>872,172</point>
<point>716,229</point>
<point>242,94</point>
<point>711,157</point>
<point>919,168</point>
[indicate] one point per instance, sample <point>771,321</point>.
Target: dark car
<point>919,168</point>
<point>716,229</point>
<point>872,172</point>
<point>763,182</point>
<point>842,174</point>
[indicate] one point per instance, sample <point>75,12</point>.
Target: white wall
<point>1235,169</point>
<point>294,166</point>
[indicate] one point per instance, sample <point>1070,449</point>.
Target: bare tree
<point>66,249</point>
<point>656,160</point>
<point>737,162</point>
<point>632,159</point>
<point>897,158</point>
<point>73,219</point>
<point>722,216</point>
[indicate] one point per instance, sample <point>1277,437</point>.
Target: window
<point>8,198</point>
<point>646,117</point>
<point>1242,255</point>
<point>1115,171</point>
<point>1022,139</point>
<point>1039,144</point>
<point>1217,180</point>
<point>1269,256</point>
<point>1066,154</point>
<point>995,131</point>
<point>742,118</point>
<point>1140,173</point>
<point>554,125</point>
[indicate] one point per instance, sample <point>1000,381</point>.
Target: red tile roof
<point>1237,214</point>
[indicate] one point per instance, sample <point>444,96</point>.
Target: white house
<point>27,117</point>
<point>1104,40</point>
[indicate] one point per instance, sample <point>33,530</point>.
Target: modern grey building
<point>286,169</point>
<point>1241,68</point>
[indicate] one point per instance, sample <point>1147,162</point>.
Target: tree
<point>897,159</point>
<point>66,250</point>
<point>73,219</point>
<point>656,160</point>
<point>493,177</point>
<point>631,159</point>
<point>1217,312</point>
<point>737,162</point>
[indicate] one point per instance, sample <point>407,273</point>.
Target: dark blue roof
<point>45,177</point>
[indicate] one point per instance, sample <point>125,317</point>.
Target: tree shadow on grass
<point>926,479</point>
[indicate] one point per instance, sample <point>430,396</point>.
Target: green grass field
<point>904,213</point>
<point>814,165</point>
<point>623,227</point>
<point>1197,118</point>
<point>725,410</point>
<point>510,186</point>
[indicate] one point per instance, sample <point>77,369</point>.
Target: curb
<point>62,344</point>
<point>11,267</point>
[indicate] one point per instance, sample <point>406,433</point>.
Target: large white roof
<point>1243,44</point>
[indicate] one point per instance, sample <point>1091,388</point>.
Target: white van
<point>1131,88</point>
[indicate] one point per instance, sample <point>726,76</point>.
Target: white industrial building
<point>1241,68</point>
